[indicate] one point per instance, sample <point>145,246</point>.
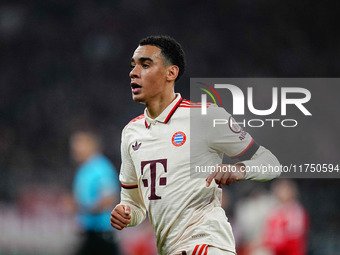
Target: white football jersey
<point>156,161</point>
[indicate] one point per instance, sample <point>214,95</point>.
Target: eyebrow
<point>142,59</point>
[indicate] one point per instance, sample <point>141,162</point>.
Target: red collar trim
<point>168,117</point>
<point>173,111</point>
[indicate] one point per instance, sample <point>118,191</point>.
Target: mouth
<point>135,88</point>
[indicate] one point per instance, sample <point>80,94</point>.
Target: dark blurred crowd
<point>64,64</point>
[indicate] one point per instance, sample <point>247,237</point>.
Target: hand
<point>120,216</point>
<point>226,174</point>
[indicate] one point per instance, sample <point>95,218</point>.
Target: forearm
<point>262,166</point>
<point>132,198</point>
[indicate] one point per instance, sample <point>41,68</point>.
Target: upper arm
<point>228,137</point>
<point>127,176</point>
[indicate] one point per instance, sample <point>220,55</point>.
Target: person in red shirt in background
<point>286,228</point>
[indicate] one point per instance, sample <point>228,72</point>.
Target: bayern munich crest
<point>178,139</point>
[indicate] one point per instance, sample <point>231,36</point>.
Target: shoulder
<point>135,123</point>
<point>137,119</point>
<point>97,161</point>
<point>189,104</point>
<point>102,165</point>
<point>212,109</point>
<point>105,161</point>
<point>212,112</point>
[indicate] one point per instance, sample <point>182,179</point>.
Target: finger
<point>221,177</point>
<point>222,174</point>
<point>122,218</point>
<point>119,223</point>
<point>117,209</point>
<point>208,181</point>
<point>127,210</point>
<point>121,212</point>
<point>235,176</point>
<point>225,177</point>
<point>230,181</point>
<point>217,179</point>
<point>116,226</point>
<point>210,178</point>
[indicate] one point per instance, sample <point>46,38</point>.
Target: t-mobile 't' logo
<point>162,180</point>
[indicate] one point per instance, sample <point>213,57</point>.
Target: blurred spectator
<point>251,216</point>
<point>139,240</point>
<point>95,190</point>
<point>286,228</point>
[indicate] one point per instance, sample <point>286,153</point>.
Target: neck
<point>157,106</point>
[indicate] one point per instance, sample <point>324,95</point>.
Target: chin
<point>138,99</point>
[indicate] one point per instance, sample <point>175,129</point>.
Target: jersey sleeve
<point>228,137</point>
<point>133,198</point>
<point>127,177</point>
<point>130,194</point>
<point>263,166</point>
<point>225,135</point>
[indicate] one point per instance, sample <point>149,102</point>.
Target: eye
<point>145,65</point>
<point>132,66</point>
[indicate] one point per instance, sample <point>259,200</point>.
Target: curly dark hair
<point>171,50</point>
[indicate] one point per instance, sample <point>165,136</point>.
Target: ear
<point>172,73</point>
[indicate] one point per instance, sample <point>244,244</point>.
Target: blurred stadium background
<point>65,64</point>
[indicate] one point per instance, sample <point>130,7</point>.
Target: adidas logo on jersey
<point>136,146</point>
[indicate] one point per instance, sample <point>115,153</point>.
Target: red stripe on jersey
<point>173,111</point>
<point>201,250</point>
<point>137,118</point>
<point>242,152</point>
<point>195,250</point>
<point>192,106</point>
<point>191,102</point>
<point>146,124</point>
<point>188,104</point>
<point>206,250</point>
<point>129,186</point>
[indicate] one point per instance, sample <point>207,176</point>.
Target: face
<point>148,74</point>
<point>83,147</point>
<point>285,191</point>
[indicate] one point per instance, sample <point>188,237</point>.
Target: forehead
<point>81,137</point>
<point>147,51</point>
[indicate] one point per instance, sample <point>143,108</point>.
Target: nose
<point>134,73</point>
